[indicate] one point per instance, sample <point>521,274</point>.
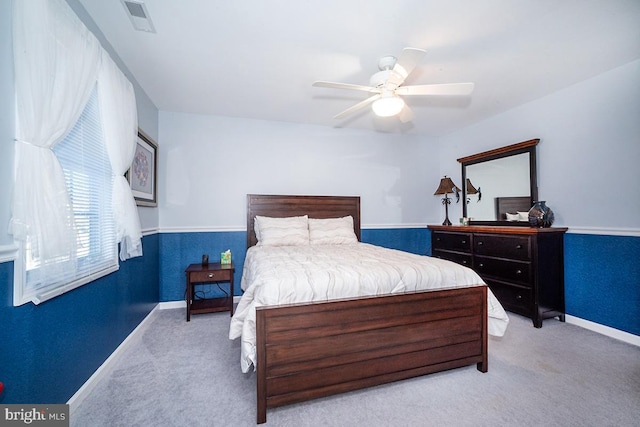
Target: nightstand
<point>209,273</point>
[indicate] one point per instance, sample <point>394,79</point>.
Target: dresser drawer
<point>456,257</point>
<point>210,276</point>
<point>452,241</point>
<point>502,269</point>
<point>502,246</point>
<point>513,298</point>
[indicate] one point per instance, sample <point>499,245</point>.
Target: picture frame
<point>143,172</point>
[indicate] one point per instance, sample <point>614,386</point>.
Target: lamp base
<point>445,202</point>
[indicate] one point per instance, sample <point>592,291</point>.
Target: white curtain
<point>56,63</point>
<point>119,127</point>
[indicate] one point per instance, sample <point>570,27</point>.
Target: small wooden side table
<point>213,272</point>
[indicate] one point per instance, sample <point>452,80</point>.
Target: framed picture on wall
<point>143,173</point>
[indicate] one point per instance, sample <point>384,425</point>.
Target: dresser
<point>523,266</point>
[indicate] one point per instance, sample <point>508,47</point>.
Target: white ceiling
<point>258,58</point>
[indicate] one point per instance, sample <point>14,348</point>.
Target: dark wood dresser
<point>523,266</point>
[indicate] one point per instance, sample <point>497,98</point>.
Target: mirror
<point>497,184</point>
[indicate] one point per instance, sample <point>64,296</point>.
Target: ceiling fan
<point>386,85</point>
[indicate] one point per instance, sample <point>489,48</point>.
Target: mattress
<point>275,275</point>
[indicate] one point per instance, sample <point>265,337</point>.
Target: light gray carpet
<point>188,374</point>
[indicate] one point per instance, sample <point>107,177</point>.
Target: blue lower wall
<point>178,250</point>
<point>602,274</point>
<point>602,280</point>
<point>48,351</point>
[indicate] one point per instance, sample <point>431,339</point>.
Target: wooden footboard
<point>306,351</point>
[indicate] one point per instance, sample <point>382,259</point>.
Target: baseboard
<point>108,364</point>
<point>136,334</point>
<point>604,330</point>
<point>168,305</point>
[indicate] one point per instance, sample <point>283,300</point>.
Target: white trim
<point>391,226</point>
<point>635,232</point>
<point>201,229</point>
<point>136,334</point>
<point>167,305</point>
<point>604,330</point>
<point>106,367</point>
<point>8,253</point>
<point>150,231</point>
<point>244,229</point>
<point>46,296</point>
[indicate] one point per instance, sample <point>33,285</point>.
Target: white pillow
<point>332,231</point>
<point>513,217</point>
<point>524,216</point>
<point>291,231</point>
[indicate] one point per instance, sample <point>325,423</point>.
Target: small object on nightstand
<point>205,259</point>
<point>225,257</point>
<point>214,272</point>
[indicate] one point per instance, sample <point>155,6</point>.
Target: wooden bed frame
<point>311,350</point>
<point>512,205</point>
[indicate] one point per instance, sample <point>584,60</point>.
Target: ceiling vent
<point>139,15</point>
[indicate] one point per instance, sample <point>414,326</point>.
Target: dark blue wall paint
<point>602,280</point>
<point>414,240</point>
<point>178,250</point>
<point>48,351</point>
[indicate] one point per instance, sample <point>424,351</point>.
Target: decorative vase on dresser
<point>523,266</point>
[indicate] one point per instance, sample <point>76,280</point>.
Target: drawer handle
<point>519,272</point>
<point>481,265</point>
<point>518,297</point>
<point>480,243</point>
<point>437,239</point>
<point>518,246</point>
<point>463,241</point>
<point>210,275</point>
<point>464,262</point>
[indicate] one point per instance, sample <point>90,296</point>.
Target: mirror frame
<point>499,153</point>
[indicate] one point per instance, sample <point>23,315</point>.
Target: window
<point>87,170</point>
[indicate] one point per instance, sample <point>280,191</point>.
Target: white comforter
<point>286,274</point>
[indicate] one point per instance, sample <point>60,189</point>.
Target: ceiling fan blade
<point>406,114</point>
<point>334,85</point>
<point>438,89</point>
<point>356,107</point>
<point>409,58</point>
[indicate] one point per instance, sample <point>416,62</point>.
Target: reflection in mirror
<point>506,177</point>
<point>499,184</point>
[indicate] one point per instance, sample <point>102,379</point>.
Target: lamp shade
<point>470,188</point>
<point>446,186</point>
<point>387,105</point>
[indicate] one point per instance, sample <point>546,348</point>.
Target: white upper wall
<point>209,163</point>
<point>589,150</point>
<point>590,138</point>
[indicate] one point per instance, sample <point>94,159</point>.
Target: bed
<point>325,344</point>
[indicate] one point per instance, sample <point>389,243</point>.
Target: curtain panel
<point>120,129</point>
<point>57,63</point>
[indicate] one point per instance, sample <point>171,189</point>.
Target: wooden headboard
<point>313,206</point>
<point>511,205</point>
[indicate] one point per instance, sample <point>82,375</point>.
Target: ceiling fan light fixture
<point>387,105</point>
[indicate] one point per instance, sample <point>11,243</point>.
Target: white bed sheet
<point>288,274</point>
